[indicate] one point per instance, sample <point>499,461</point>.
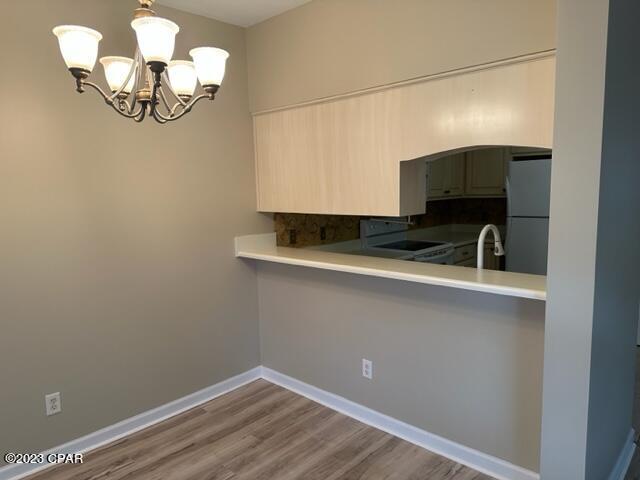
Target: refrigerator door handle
<point>508,189</point>
<point>506,240</point>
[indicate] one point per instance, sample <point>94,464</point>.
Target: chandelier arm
<point>134,102</point>
<point>133,68</point>
<point>186,109</point>
<point>163,97</point>
<point>129,107</point>
<point>167,82</point>
<point>171,110</point>
<point>143,113</point>
<point>141,74</point>
<point>128,114</point>
<point>158,119</point>
<point>189,106</point>
<point>107,98</point>
<point>157,116</point>
<point>130,110</point>
<point>110,98</point>
<point>175,109</point>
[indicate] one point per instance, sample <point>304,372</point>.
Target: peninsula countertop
<point>263,247</point>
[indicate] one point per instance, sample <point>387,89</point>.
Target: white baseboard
<point>475,459</point>
<point>624,460</point>
<point>134,424</point>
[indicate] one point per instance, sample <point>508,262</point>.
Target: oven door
<point>441,257</point>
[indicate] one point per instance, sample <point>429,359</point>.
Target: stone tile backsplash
<point>302,230</point>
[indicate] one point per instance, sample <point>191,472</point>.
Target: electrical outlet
<point>53,403</point>
<point>367,368</point>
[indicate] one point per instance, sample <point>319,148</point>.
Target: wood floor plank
<point>261,432</point>
<point>218,432</point>
<point>343,455</point>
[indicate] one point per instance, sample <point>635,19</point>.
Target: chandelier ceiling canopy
<point>137,85</point>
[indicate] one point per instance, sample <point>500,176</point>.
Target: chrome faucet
<point>498,250</point>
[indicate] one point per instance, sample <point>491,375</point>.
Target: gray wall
<point>592,308</point>
<point>118,285</point>
<point>463,365</point>
<point>328,47</point>
<point>617,286</point>
<point>575,176</point>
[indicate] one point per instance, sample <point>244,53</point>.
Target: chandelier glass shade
<point>210,64</point>
<point>150,84</point>
<point>183,78</point>
<point>156,38</point>
<point>116,71</point>
<point>78,45</point>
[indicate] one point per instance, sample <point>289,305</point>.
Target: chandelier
<point>137,85</point>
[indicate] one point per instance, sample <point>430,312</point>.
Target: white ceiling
<point>238,12</point>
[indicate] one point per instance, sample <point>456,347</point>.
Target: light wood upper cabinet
<point>365,154</point>
<point>486,172</point>
<point>527,150</point>
<point>445,177</point>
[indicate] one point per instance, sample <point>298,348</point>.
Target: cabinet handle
<point>447,191</point>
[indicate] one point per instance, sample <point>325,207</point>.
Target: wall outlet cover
<point>53,403</point>
<point>367,368</point>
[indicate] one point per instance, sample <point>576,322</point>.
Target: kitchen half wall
<point>466,366</point>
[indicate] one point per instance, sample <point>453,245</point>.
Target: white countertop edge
<point>263,247</point>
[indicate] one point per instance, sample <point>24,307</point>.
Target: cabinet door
<point>465,252</point>
<point>436,173</point>
<point>463,257</point>
<point>491,262</point>
<point>456,166</point>
<point>470,262</point>
<point>486,172</point>
<point>446,177</point>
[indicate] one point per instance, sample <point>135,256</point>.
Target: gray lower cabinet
<point>471,262</point>
<point>464,253</point>
<point>465,256</point>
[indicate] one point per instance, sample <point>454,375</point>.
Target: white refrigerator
<point>528,191</point>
